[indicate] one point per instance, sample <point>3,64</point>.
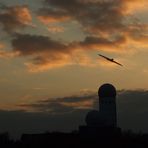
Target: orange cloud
<point>14,17</point>
<point>22,13</point>
<point>106,25</point>
<point>6,54</point>
<point>47,19</point>
<point>45,64</point>
<point>47,53</point>
<point>132,6</point>
<point>47,16</point>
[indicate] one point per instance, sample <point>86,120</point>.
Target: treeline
<point>127,139</point>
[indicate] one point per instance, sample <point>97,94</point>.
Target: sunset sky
<point>48,50</point>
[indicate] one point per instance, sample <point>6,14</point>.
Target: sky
<point>49,51</point>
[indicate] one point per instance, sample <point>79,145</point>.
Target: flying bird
<point>109,59</point>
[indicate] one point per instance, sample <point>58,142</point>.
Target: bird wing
<point>104,56</point>
<point>117,63</point>
<point>111,60</point>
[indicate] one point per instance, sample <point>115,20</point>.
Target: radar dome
<point>107,90</point>
<point>92,117</point>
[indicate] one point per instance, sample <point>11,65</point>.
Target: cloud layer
<point>67,113</point>
<point>62,105</point>
<point>108,24</point>
<point>131,107</point>
<point>45,52</point>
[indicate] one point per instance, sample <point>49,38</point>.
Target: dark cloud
<point>27,44</point>
<point>52,107</point>
<point>94,15</point>
<point>13,18</point>
<point>104,18</point>
<point>137,99</point>
<point>91,41</point>
<point>54,115</point>
<point>132,107</point>
<point>108,25</point>
<point>45,52</point>
<point>18,122</point>
<point>62,105</point>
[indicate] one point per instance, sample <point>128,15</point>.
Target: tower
<point>107,105</point>
<point>102,122</point>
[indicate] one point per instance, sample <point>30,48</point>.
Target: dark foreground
<point>75,140</point>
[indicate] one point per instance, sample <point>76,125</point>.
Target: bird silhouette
<point>109,59</point>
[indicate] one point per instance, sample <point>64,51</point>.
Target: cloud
<point>28,44</point>
<point>67,113</point>
<point>110,18</point>
<point>51,16</point>
<point>6,54</point>
<point>61,105</point>
<point>137,30</point>
<point>46,53</point>
<point>55,29</point>
<point>107,25</point>
<point>43,63</point>
<point>93,15</point>
<point>136,99</point>
<point>129,103</point>
<point>13,18</point>
<point>133,7</point>
<point>27,122</point>
<point>96,43</point>
<point>132,109</point>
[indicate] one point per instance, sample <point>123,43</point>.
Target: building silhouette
<point>104,120</point>
<point>107,105</point>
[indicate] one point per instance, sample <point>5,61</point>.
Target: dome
<point>107,90</point>
<point>92,117</point>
